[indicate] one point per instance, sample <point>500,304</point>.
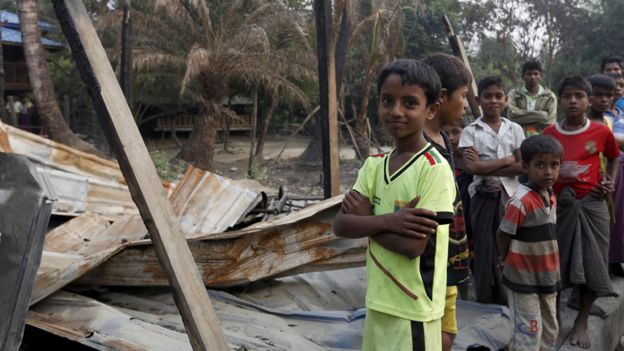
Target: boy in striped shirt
<point>528,244</point>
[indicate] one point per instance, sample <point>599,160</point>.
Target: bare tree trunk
<point>3,113</point>
<point>254,123</point>
<point>43,90</point>
<point>199,149</point>
<point>226,131</point>
<point>125,76</point>
<point>266,122</point>
<point>360,128</point>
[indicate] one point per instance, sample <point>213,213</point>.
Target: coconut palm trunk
<point>199,149</point>
<point>266,122</point>
<point>42,88</point>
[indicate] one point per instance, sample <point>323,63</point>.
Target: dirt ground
<point>295,178</point>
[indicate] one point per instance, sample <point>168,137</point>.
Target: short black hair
<point>575,81</point>
<point>610,59</point>
<point>413,72</point>
<point>531,65</point>
<point>462,122</point>
<point>616,75</point>
<point>490,80</point>
<point>451,70</point>
<point>539,145</point>
<point>602,81</point>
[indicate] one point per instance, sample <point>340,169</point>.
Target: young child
<point>407,249</point>
<point>613,64</point>
<point>463,179</point>
<point>528,244</point>
<point>603,92</point>
<point>455,79</point>
<point>615,112</point>
<point>582,214</point>
<point>495,167</point>
<point>533,106</point>
<point>616,239</point>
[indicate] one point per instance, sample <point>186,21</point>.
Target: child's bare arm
<point>476,166</point>
<point>410,247</point>
<point>504,240</point>
<point>511,170</point>
<point>403,245</point>
<point>612,168</point>
<point>409,221</point>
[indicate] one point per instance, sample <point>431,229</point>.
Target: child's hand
<point>414,222</point>
<point>471,154</point>
<point>356,204</point>
<point>604,188</point>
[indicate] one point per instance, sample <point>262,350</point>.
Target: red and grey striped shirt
<point>532,262</point>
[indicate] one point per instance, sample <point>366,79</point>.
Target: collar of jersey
<point>388,178</point>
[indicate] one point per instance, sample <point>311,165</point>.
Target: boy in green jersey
<point>410,192</point>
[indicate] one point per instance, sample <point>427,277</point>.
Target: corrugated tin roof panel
<point>13,36</point>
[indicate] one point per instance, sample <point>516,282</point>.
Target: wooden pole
<point>328,97</point>
<point>145,187</point>
<point>125,75</point>
<point>457,45</point>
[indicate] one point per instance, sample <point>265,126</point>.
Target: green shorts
<point>383,332</point>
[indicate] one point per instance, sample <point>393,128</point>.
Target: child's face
<point>619,88</point>
<point>454,132</point>
<point>453,106</point>
<point>574,102</point>
<point>601,99</point>
<point>492,101</point>
<point>612,67</point>
<point>543,170</point>
<point>532,78</point>
<point>403,108</point>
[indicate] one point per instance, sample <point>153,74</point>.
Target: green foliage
<point>166,168</point>
<point>257,171</point>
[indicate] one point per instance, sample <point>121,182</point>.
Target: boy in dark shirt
<point>455,79</point>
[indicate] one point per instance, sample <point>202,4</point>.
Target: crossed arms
<point>405,232</point>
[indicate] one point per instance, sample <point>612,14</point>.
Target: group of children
<point>535,210</point>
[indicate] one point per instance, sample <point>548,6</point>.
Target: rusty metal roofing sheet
<point>78,246</point>
<point>292,243</point>
<point>208,203</point>
<point>83,182</point>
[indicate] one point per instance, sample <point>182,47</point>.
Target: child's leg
<point>550,325</point>
<point>386,332</point>
<point>449,321</point>
<point>579,332</point>
<point>526,321</point>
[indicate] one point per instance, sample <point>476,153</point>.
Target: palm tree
<point>380,36</point>
<point>42,88</point>
<point>208,44</point>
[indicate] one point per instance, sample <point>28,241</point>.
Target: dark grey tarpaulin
<point>25,207</point>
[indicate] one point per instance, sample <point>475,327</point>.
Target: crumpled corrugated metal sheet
<point>79,245</point>
<point>208,203</point>
<point>238,257</point>
<point>83,182</point>
<point>316,311</point>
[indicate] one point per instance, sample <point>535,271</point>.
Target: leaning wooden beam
<point>457,45</point>
<point>171,248</point>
